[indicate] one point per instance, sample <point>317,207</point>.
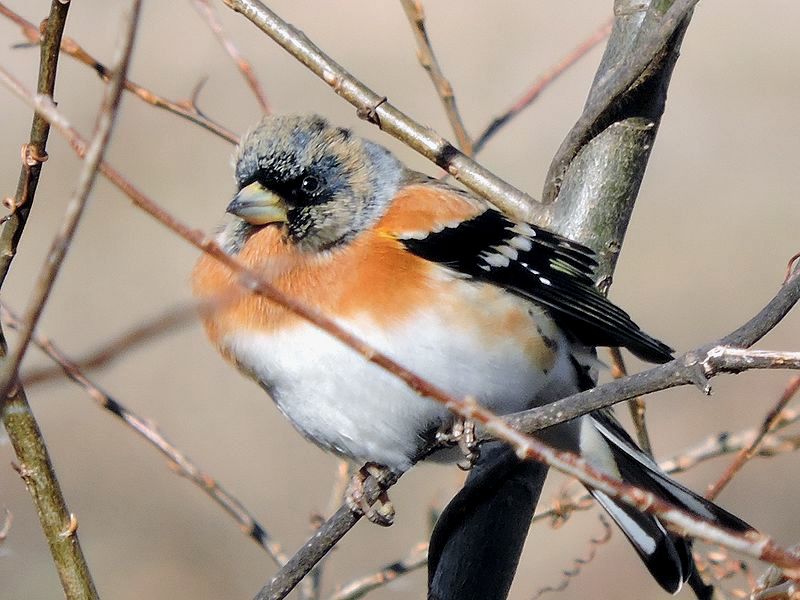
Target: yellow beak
<point>258,205</point>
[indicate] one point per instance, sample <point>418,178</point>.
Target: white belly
<point>353,407</point>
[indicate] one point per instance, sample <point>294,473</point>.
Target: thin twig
<point>416,17</point>
<point>245,68</point>
<point>637,406</point>
<point>527,448</point>
<point>376,109</point>
<point>186,109</point>
<point>579,562</point>
<point>542,83</point>
<point>77,203</point>
<point>166,322</point>
<point>147,429</point>
<point>416,559</point>
<point>774,416</point>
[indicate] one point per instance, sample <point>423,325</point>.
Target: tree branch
<point>77,203</point>
<point>204,8</point>
<point>541,83</point>
<point>416,17</point>
<point>626,68</point>
<point>692,368</point>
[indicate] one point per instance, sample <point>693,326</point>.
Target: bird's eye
<point>310,184</point>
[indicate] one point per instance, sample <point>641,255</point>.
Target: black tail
<point>667,556</point>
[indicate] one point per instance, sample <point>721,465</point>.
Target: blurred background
<point>717,219</point>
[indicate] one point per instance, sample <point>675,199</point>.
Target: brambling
<point>477,303</point>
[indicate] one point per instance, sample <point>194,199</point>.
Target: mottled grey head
<point>322,183</point>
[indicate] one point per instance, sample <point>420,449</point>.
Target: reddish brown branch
<point>542,83</point>
<point>245,68</point>
<point>416,17</point>
<point>771,421</point>
<point>186,109</point>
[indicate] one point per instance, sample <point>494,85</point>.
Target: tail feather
<point>666,556</point>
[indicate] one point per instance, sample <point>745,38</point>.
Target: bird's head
<point>322,184</point>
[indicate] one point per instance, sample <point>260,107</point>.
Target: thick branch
<point>628,66</point>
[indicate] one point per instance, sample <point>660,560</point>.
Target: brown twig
<point>579,562</point>
<point>542,83</point>
<point>107,352</point>
<point>416,17</point>
<point>774,416</point>
<point>186,109</point>
<point>376,109</point>
<point>528,448</point>
<point>77,203</point>
<point>147,429</point>
<point>245,68</point>
<point>637,406</point>
<point>416,559</point>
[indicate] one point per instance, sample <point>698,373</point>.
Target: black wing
<point>544,267</point>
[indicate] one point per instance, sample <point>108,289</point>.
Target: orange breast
<point>372,274</point>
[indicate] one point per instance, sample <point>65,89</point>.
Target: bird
<point>476,302</point>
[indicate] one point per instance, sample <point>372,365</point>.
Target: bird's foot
<point>382,512</point>
<point>462,432</point>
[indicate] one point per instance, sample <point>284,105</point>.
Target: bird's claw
<point>462,432</point>
<point>382,511</point>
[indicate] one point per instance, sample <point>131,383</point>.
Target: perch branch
<point>145,428</point>
<point>564,504</point>
<point>693,368</point>
<point>416,18</point>
<point>204,8</point>
<point>186,109</point>
<point>377,110</point>
<point>755,544</point>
